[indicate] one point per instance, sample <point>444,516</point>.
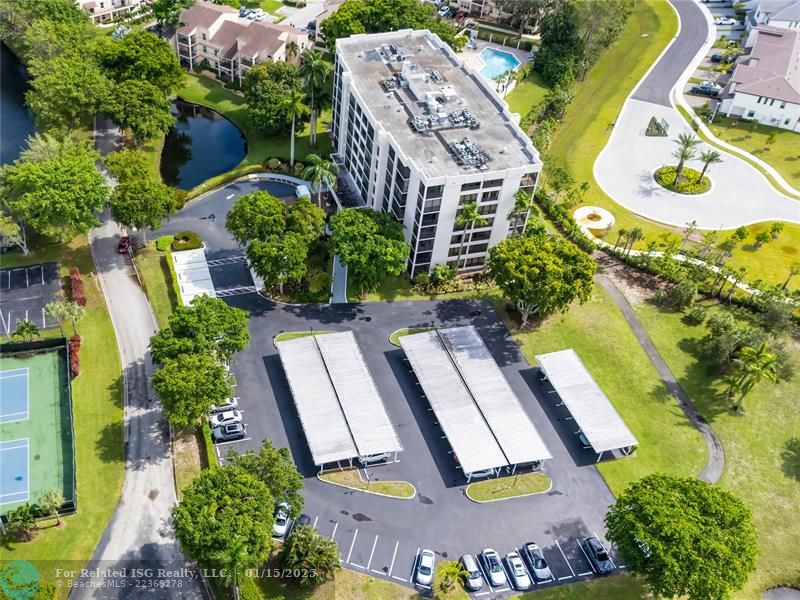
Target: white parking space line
<point>565,560</point>
<point>611,560</point>
<point>357,566</point>
<point>315,522</point>
<point>233,442</point>
<point>586,555</point>
<point>482,594</point>
<point>335,527</point>
<point>586,573</point>
<point>399,578</point>
<point>394,555</point>
<point>353,543</point>
<point>375,543</point>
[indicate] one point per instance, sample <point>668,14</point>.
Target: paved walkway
<point>339,283</point>
<point>716,456</point>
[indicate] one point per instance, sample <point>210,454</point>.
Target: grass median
<point>512,486</point>
<point>293,335</point>
<point>351,478</point>
<point>394,338</point>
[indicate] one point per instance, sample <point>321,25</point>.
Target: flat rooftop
<point>411,76</point>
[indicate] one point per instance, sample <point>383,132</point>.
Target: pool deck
<point>472,58</point>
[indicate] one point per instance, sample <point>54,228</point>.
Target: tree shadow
<point>790,455</point>
<point>109,444</point>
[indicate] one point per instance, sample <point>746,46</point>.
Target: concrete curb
<point>466,493</point>
<point>349,487</point>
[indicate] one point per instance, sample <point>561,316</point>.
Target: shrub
<point>186,240</point>
<point>273,164</point>
<point>298,169</point>
<point>181,197</point>
<point>696,316</point>
<point>164,242</point>
<point>77,293</point>
<point>248,589</point>
<point>74,355</point>
<point>318,281</point>
<point>689,182</point>
<point>564,221</point>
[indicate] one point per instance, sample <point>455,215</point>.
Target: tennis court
<point>36,449</point>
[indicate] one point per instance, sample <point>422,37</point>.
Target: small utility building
<point>476,408</point>
<point>596,417</point>
<point>341,412</point>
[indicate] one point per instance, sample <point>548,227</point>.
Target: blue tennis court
<point>14,480</point>
<point>13,395</point>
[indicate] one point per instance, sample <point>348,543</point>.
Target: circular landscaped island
<point>690,182</point>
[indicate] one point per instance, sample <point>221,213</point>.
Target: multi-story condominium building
<point>765,84</point>
<point>419,134</point>
<point>231,44</point>
<point>105,11</point>
<point>776,13</point>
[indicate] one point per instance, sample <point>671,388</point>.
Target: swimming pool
<point>497,62</point>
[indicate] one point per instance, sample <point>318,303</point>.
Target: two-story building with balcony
<point>106,11</point>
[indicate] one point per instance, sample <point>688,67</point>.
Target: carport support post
<point>599,456</point>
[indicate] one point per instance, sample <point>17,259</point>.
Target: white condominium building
<point>419,134</point>
<point>105,11</point>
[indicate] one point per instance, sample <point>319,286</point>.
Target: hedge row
<point>208,445</point>
<point>74,355</point>
<point>77,292</point>
<point>564,221</point>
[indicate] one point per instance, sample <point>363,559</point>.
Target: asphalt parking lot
<point>24,292</point>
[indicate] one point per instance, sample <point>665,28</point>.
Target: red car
<point>124,245</point>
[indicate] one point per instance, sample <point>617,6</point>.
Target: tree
<point>684,536</point>
<point>295,109</point>
<point>540,273</point>
<point>50,501</point>
<point>762,237</point>
<point>621,233</point>
<point>466,218</point>
<point>266,87</point>
<point>188,385</point>
<point>523,207</point>
<point>562,49</point>
<point>221,509</point>
<point>306,219</point>
<point>144,56</point>
<point>279,260</point>
<point>208,324</point>
<point>233,562</point>
<point>794,270</point>
<point>315,72</point>
<point>46,39</point>
<point>276,469</point>
<point>685,152</point>
<point>128,164</point>
<point>691,227</point>
<point>21,523</point>
<point>59,197</point>
<point>168,12</point>
<point>448,574</point>
<point>142,203</point>
<point>315,557</point>
<point>527,13</point>
<point>370,244</point>
<point>776,228</point>
<point>257,216</point>
<point>708,157</point>
<point>56,311</point>
<point>11,234</point>
<point>18,15</point>
<point>634,235</point>
<point>320,172</point>
<point>25,330</point>
<point>74,312</point>
<point>291,50</point>
<point>750,367</point>
<point>140,106</point>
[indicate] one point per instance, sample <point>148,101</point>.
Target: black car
<point>707,88</point>
<point>598,556</point>
<point>721,58</point>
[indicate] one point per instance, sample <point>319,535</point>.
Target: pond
<point>201,145</point>
<point>17,121</point>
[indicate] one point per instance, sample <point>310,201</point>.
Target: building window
<point>783,105</point>
<point>760,98</point>
<point>474,185</point>
<point>751,114</point>
<point>490,196</point>
<point>488,209</point>
<point>435,191</point>
<point>204,37</point>
<point>493,183</point>
<point>467,199</point>
<point>772,102</point>
<point>476,248</point>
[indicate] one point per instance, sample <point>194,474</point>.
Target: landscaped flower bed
<point>689,183</point>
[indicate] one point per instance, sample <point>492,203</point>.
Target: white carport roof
<point>194,277</point>
<point>513,429</point>
<point>589,406</point>
<point>468,433</point>
<point>324,424</point>
<point>361,403</point>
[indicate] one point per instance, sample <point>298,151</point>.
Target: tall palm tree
<point>295,109</point>
<point>74,312</point>
<point>622,233</point>
<point>234,561</point>
<point>523,206</point>
<point>752,365</point>
<point>634,236</point>
<point>320,172</point>
<point>685,152</point>
<point>314,72</point>
<point>708,157</point>
<point>794,270</point>
<point>56,311</point>
<point>291,50</point>
<point>466,218</point>
<point>691,227</point>
<point>25,330</point>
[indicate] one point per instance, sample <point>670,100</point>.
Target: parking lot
<point>24,293</point>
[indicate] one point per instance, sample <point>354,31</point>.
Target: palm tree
<point>620,234</point>
<point>58,312</point>
<point>315,556</point>
<point>314,72</point>
<point>634,236</point>
<point>753,365</point>
<point>74,312</point>
<point>234,561</point>
<point>25,330</point>
<point>449,573</point>
<point>691,227</point>
<point>685,152</point>
<point>295,109</point>
<point>320,172</point>
<point>708,157</point>
<point>50,501</point>
<point>467,217</point>
<point>523,205</point>
<point>794,270</point>
<point>291,50</point>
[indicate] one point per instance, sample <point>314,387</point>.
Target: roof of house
<point>772,69</point>
<point>781,10</point>
<point>204,15</point>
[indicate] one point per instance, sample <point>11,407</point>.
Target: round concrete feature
<point>593,217</point>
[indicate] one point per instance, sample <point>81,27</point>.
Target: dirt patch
<point>186,457</point>
<point>637,287</point>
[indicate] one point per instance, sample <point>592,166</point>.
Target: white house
<point>765,84</point>
<point>105,11</point>
<point>777,13</point>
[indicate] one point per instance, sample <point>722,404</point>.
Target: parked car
<point>707,88</point>
<point>519,575</point>
<point>598,555</point>
<point>536,562</point>
<point>124,244</point>
<point>444,11</point>
<point>374,459</point>
<point>231,403</point>
<point>721,58</point>
<point>472,580</point>
<point>281,520</point>
<point>725,21</point>
<point>424,571</point>
<point>584,440</point>
<point>225,418</point>
<point>493,567</point>
<point>228,433</point>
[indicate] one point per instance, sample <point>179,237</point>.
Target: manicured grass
<point>158,282</point>
<point>527,94</point>
<point>599,334</point>
<point>616,587</point>
<point>783,154</point>
<point>186,457</point>
<point>512,486</point>
<point>689,182</point>
<point>400,288</point>
<point>761,456</point>
<point>293,335</point>
<point>395,337</point>
<point>351,478</point>
<point>97,407</point>
<point>270,6</point>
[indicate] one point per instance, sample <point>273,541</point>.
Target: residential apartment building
<point>776,13</point>
<point>419,134</point>
<point>230,44</point>
<point>105,11</point>
<point>765,84</point>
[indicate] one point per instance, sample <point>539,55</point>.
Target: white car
<point>424,571</point>
<point>281,520</point>
<point>493,567</point>
<point>225,418</point>
<point>444,11</point>
<point>519,574</point>
<point>725,21</point>
<point>536,562</point>
<point>229,404</point>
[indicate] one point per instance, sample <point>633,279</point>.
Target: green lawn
<point>394,338</point>
<point>154,269</point>
<point>97,408</point>
<point>760,466</point>
<point>270,6</point>
<point>527,94</point>
<point>293,335</point>
<point>400,288</point>
<point>352,479</point>
<point>501,488</point>
<point>617,587</point>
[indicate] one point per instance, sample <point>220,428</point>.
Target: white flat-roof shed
<point>593,412</point>
<point>193,274</point>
